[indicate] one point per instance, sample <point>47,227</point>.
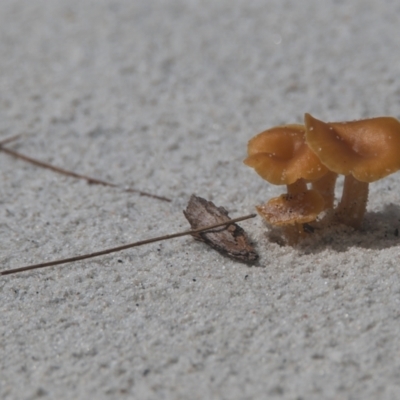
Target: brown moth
<point>229,240</point>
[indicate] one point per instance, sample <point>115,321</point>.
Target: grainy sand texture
<point>163,96</point>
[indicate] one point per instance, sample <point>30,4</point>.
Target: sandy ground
<point>163,95</point>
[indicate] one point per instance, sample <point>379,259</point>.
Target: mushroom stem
<point>353,204</point>
<point>326,187</point>
<point>293,233</point>
<point>297,187</point>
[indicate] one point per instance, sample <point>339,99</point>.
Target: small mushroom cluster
<point>314,154</point>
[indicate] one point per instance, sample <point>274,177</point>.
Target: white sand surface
<point>164,95</point>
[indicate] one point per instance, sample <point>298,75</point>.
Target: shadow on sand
<point>380,230</point>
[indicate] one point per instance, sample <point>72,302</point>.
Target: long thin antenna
<point>63,171</point>
<point>124,247</point>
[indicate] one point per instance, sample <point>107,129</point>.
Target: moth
<point>230,240</point>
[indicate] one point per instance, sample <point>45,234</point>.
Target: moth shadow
<point>380,230</point>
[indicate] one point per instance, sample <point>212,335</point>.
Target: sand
<point>162,96</point>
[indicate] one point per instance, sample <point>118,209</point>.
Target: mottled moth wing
<point>229,240</point>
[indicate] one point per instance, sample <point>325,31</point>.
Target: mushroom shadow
<point>380,230</point>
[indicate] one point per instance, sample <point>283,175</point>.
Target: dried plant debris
<point>125,246</point>
<point>229,240</point>
<point>66,172</point>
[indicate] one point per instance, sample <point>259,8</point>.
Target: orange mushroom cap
<point>368,149</point>
<point>290,209</point>
<point>281,156</point>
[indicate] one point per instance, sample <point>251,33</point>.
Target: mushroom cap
<point>368,149</point>
<point>281,156</point>
<point>289,209</point>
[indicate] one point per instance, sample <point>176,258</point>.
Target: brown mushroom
<point>289,209</point>
<point>292,211</point>
<point>364,151</point>
<point>281,156</point>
